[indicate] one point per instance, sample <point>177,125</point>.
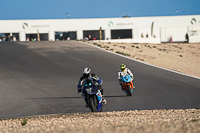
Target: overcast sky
<point>58,9</point>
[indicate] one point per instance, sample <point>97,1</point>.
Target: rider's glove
<point>79,86</point>
<point>99,81</point>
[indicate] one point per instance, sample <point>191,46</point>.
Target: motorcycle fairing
<point>99,97</point>
<point>127,80</point>
<point>125,85</point>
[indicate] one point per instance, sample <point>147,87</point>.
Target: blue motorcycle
<point>92,95</point>
<point>127,84</point>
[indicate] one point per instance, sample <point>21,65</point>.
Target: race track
<point>38,78</point>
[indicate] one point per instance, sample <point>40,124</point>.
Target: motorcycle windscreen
<point>89,87</point>
<point>126,78</point>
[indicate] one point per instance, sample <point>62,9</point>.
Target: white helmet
<point>86,72</point>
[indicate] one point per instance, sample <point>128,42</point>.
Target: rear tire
<point>129,90</point>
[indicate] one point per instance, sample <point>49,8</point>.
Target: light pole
<point>68,14</point>
<point>176,12</point>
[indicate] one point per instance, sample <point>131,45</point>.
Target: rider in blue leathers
<point>86,75</point>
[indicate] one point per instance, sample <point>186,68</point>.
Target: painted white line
<point>141,61</point>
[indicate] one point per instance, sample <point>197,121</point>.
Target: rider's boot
<point>104,100</point>
<point>133,84</point>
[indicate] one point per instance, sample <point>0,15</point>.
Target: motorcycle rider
<point>86,75</point>
<point>122,72</point>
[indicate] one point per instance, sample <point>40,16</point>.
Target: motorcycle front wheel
<point>129,90</point>
<point>93,103</point>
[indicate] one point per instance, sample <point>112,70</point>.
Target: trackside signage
<point>112,24</point>
<point>26,26</point>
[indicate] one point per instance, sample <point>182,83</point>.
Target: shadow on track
<point>74,97</point>
<point>115,96</point>
<point>57,98</point>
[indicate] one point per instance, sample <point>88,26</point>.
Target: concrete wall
<point>163,27</point>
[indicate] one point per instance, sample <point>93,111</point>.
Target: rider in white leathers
<point>122,72</point>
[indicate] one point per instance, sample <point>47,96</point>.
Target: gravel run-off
<point>143,121</point>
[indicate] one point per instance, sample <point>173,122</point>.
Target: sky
<point>59,9</point>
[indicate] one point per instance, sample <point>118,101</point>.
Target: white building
<point>133,29</point>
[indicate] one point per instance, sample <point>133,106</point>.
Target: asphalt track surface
<point>38,78</point>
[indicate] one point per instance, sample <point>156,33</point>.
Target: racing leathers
<point>99,86</point>
<point>123,73</point>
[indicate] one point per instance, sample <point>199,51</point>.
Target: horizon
<point>61,9</point>
<point>99,17</point>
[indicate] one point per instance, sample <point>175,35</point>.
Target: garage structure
<point>4,36</point>
<point>121,34</point>
<point>66,35</point>
<point>93,34</point>
<point>34,37</point>
<point>131,30</point>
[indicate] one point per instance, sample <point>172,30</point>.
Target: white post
<point>79,34</point>
<point>51,36</point>
<point>107,34</point>
<point>22,36</point>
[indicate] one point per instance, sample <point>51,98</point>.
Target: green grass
<point>122,53</point>
<point>194,120</point>
<point>115,126</point>
<point>106,46</point>
<point>118,52</point>
<point>163,50</point>
<point>132,46</point>
<point>99,45</point>
<point>24,121</point>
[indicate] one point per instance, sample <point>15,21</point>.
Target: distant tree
<point>126,16</point>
